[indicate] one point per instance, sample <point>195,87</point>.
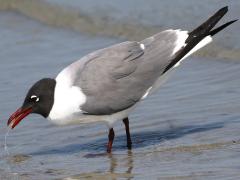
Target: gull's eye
<point>34,98</point>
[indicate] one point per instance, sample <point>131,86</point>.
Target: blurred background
<point>188,130</point>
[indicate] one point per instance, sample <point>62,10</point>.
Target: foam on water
<point>133,23</point>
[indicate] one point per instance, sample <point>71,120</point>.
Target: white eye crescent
<point>35,97</point>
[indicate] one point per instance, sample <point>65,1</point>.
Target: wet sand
<point>188,130</point>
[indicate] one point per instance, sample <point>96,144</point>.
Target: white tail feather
<point>200,45</point>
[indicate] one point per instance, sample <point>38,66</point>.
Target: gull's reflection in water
<point>117,163</point>
<point>120,167</point>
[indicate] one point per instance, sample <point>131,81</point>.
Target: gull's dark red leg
<point>129,141</point>
<point>110,140</point>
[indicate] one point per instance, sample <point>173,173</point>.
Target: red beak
<point>16,117</point>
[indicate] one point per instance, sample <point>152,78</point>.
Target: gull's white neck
<point>67,101</point>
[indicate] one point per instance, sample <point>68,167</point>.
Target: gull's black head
<point>39,99</point>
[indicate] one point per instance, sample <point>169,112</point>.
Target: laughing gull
<point>106,85</point>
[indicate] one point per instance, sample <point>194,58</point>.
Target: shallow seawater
<point>188,130</point>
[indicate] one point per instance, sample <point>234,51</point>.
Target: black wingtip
<point>200,33</point>
<point>215,31</point>
<point>224,9</point>
<point>205,28</point>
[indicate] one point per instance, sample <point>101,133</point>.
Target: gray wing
<point>115,78</point>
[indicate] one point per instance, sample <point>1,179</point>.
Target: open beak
<point>16,117</point>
